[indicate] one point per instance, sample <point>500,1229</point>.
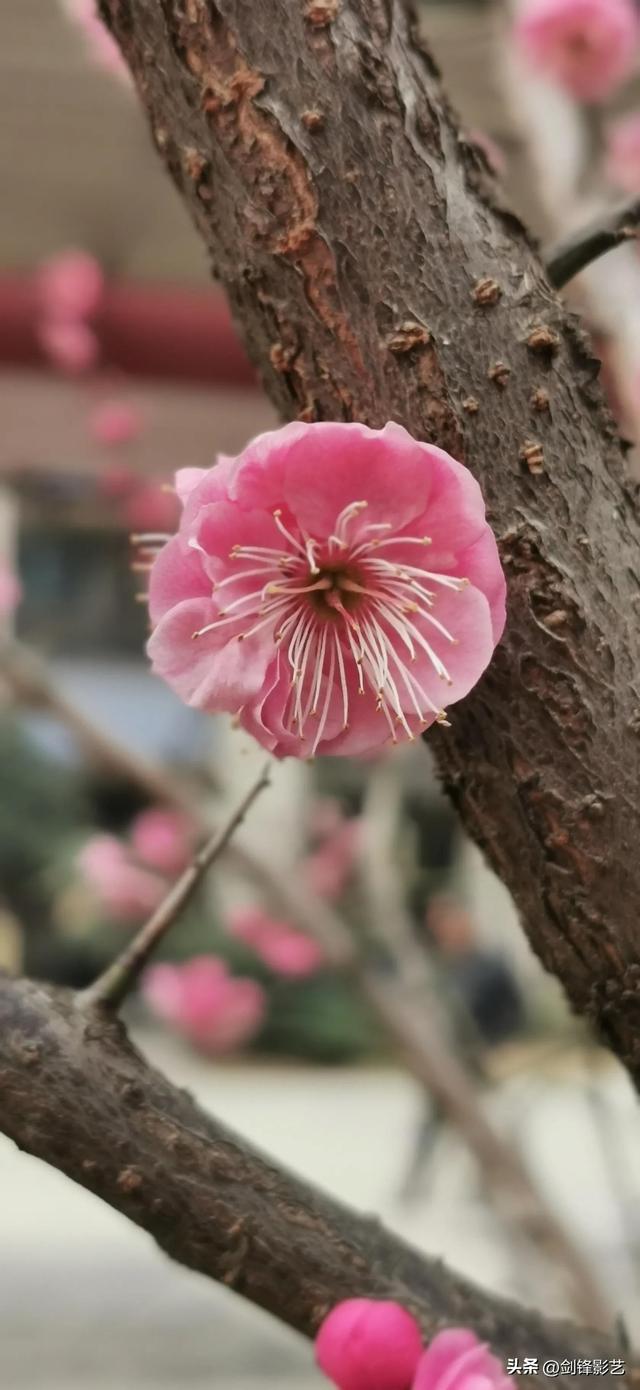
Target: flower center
<point>348,614</point>
<point>336,591</point>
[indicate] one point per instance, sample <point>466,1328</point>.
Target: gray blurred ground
<point>88,1303</point>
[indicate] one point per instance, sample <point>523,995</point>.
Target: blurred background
<point>119,363</point>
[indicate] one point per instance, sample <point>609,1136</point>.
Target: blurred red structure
<point>148,331</point>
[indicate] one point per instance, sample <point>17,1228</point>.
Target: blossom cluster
<point>366,1344</point>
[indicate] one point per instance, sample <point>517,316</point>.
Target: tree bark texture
<point>76,1093</point>
<point>376,276</point>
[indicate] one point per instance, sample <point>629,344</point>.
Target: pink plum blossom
<point>203,1002</point>
<point>113,423</point>
<point>456,1360</point>
<point>70,287</point>
<point>72,347</point>
<point>334,587</point>
<point>286,951</point>
<point>126,891</point>
<point>328,868</point>
<point>588,46</point>
<point>369,1345</point>
<point>10,590</point>
<point>623,153</point>
<point>163,839</point>
<point>102,49</point>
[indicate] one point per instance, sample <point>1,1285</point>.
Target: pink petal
<point>386,468</point>
<point>215,671</point>
<point>177,574</point>
<point>455,1360</point>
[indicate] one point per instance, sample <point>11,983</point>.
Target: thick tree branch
<point>403,1007</point>
<point>77,1094</point>
<point>376,277</point>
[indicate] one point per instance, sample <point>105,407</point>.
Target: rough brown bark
<point>75,1092</point>
<point>376,277</point>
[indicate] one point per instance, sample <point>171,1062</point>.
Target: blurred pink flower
<point>163,838</point>
<point>127,892</point>
<point>72,347</point>
<point>10,590</point>
<point>286,951</point>
<point>151,507</point>
<point>341,584</point>
<point>102,49</point>
<point>456,1360</point>
<point>205,1003</point>
<point>325,816</point>
<point>369,1345</point>
<point>328,868</point>
<point>622,157</point>
<point>588,46</point>
<point>113,423</point>
<point>70,286</point>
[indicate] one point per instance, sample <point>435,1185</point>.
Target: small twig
<point>113,985</point>
<point>611,229</point>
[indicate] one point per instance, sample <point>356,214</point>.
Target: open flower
<point>588,46</point>
<point>203,1002</point>
<point>163,838</point>
<point>287,951</point>
<point>335,587</point>
<point>456,1360</point>
<point>125,890</point>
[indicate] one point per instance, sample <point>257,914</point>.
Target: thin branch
<point>410,1010</point>
<point>113,985</point>
<point>614,228</point>
<point>411,1031</point>
<point>28,680</point>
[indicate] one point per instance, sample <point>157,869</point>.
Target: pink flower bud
<point>369,1345</point>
